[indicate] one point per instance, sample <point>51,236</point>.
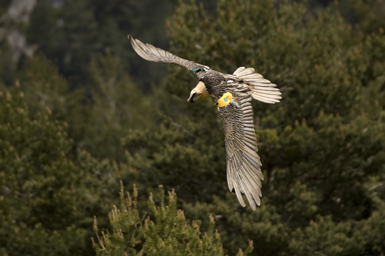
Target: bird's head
<point>200,91</point>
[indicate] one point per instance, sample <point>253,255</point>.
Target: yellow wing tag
<point>224,100</point>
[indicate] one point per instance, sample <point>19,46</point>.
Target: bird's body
<point>232,95</point>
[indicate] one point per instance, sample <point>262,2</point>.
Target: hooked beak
<point>193,96</point>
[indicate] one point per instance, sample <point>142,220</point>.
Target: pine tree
<point>97,120</point>
<point>47,195</point>
<point>44,88</point>
<point>116,106</point>
<point>169,233</point>
<point>76,32</point>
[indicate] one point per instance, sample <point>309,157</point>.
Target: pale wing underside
<point>152,53</point>
<point>243,163</point>
<point>261,88</point>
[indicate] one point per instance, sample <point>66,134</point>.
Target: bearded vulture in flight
<point>232,95</point>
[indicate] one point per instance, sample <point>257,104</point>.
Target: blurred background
<point>80,111</point>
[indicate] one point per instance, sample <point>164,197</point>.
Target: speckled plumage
<point>244,174</point>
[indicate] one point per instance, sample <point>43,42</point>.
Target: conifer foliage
<point>169,233</point>
<point>47,197</point>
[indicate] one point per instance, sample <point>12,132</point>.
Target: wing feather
<point>237,188</point>
<point>239,70</point>
<point>244,174</point>
<point>154,54</point>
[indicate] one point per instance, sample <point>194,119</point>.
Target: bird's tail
<point>261,88</point>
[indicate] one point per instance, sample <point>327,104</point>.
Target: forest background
<point>80,112</point>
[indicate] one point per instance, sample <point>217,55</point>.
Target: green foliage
<point>76,32</point>
<point>117,106</point>
<point>96,120</point>
<point>44,88</point>
<point>236,226</point>
<point>46,198</point>
<point>370,14</point>
<point>347,238</point>
<point>168,234</point>
<point>172,154</point>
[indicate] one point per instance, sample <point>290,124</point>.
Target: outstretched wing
<point>152,53</point>
<point>243,163</point>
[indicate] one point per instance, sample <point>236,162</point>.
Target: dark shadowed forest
<point>101,155</point>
